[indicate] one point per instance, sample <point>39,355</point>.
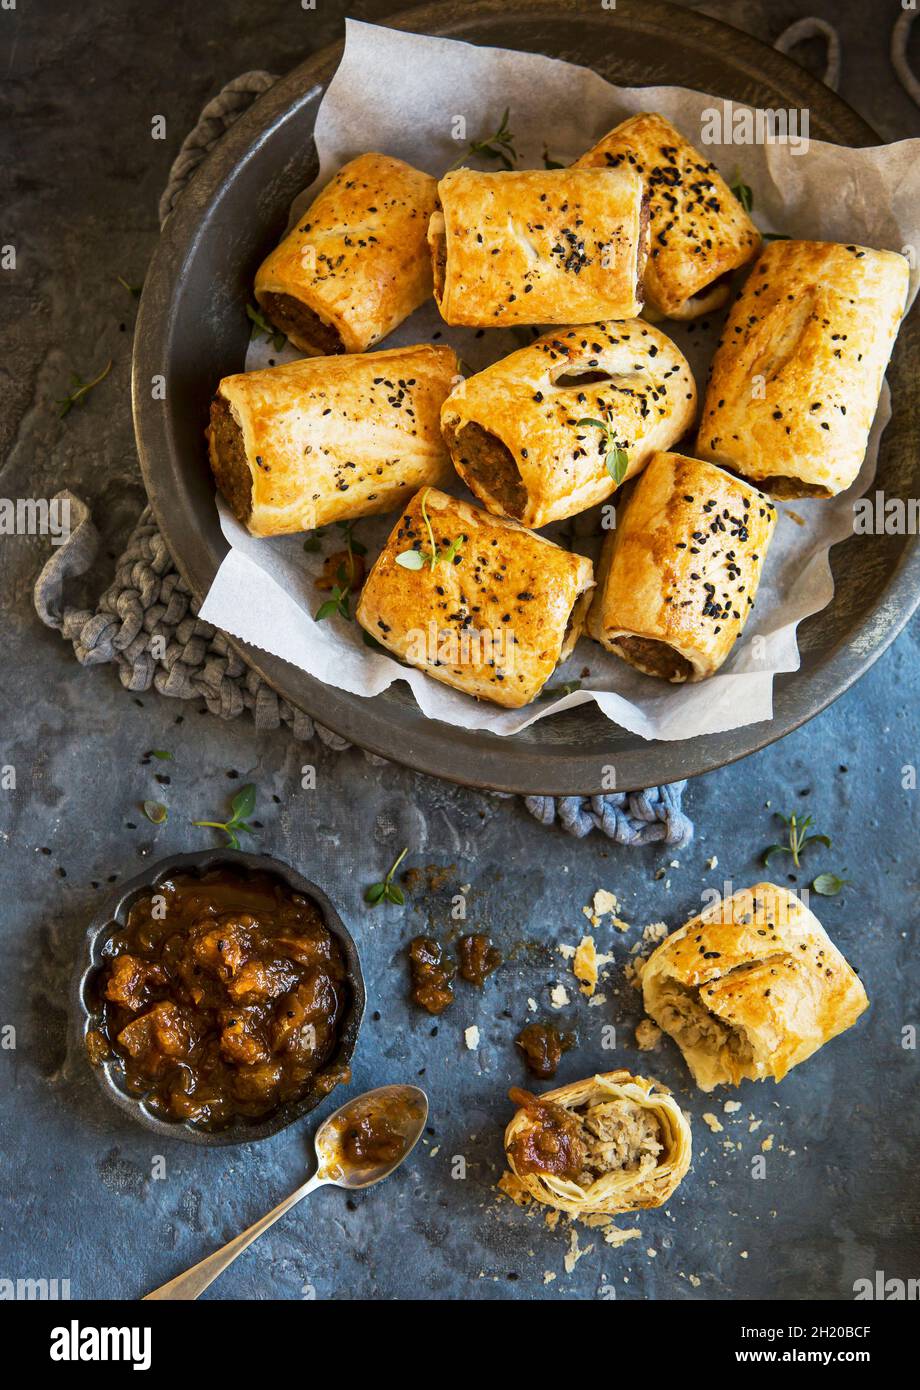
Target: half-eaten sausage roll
<point>476,601</point>
<point>535,246</point>
<point>679,574</point>
<point>796,377</point>
<point>751,987</point>
<point>536,436</point>
<point>356,262</point>
<point>610,1144</point>
<point>700,233</point>
<point>330,438</point>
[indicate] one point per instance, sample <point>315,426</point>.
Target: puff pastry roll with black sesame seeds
<point>751,987</point>
<point>517,432</point>
<point>796,377</point>
<point>610,1144</point>
<point>678,576</point>
<point>356,262</point>
<point>330,438</point>
<point>538,246</point>
<point>476,601</point>
<point>699,232</point>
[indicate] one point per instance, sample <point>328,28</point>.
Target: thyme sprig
<point>616,458</point>
<point>417,559</point>
<point>81,389</point>
<point>498,147</point>
<point>261,328</point>
<point>799,839</point>
<point>387,891</point>
<point>241,808</point>
<point>743,192</point>
<point>341,593</point>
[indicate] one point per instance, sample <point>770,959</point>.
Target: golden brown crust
<point>751,987</point>
<point>357,259</point>
<point>330,438</point>
<point>541,464</point>
<point>700,233</point>
<point>538,246</point>
<point>679,574</point>
<point>796,377</point>
<point>493,618</point>
<point>632,1189</point>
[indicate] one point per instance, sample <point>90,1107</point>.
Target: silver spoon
<point>404,1109</point>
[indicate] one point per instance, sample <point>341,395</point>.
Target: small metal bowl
<point>114,914</point>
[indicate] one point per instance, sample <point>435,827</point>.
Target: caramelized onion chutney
<point>543,1045</point>
<point>223,996</point>
<point>431,975</point>
<point>552,1142</point>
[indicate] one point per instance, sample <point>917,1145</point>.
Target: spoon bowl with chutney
<point>359,1145</point>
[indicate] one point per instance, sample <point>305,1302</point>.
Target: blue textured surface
<point>81,1199</point>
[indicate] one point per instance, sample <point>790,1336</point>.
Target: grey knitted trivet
<point>147,621</point>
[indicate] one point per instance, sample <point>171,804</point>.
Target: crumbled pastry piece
<point>510,1184</point>
<point>548,1276</point>
<point>584,965</point>
<point>648,1035</point>
<point>767,1144</point>
<point>471,1037</point>
<point>712,1122</point>
<point>712,863</point>
<point>695,1280</point>
<point>551,1219</point>
<point>574,1252</point>
<point>617,1235</point>
<point>566,951</point>
<point>605,901</point>
<point>731,1106</point>
<point>655,932</point>
<point>559,997</point>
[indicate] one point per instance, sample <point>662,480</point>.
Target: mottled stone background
<point>81,178</point>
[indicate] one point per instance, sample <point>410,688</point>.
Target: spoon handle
<point>195,1280</point>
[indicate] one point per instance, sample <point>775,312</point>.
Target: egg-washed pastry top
<point>796,377</point>
<point>679,574</point>
<point>610,1144</point>
<point>517,431</point>
<point>538,246</point>
<point>330,438</point>
<point>751,987</point>
<point>699,232</point>
<point>356,263</point>
<point>496,612</point>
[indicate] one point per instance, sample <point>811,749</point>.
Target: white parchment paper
<point>422,99</point>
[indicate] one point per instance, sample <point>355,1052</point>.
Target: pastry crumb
<point>767,1144</point>
<point>548,1276</point>
<point>471,1037</point>
<point>655,932</point>
<point>695,1280</point>
<point>584,965</point>
<point>575,1253</point>
<point>559,997</point>
<point>731,1106</point>
<point>648,1035</point>
<point>712,863</point>
<point>618,1235</point>
<point>511,1186</point>
<point>711,1120</point>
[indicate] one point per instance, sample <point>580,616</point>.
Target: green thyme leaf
<point>161,754</point>
<point>498,147</point>
<point>387,891</point>
<point>617,463</point>
<point>829,885</point>
<point>156,812</point>
<point>241,807</point>
<point>743,192</point>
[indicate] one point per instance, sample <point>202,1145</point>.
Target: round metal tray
<point>190,327</point>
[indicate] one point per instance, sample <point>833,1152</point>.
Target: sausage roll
<point>331,438</point>
<point>356,263</point>
<point>751,987</point>
<point>699,231</point>
<point>796,377</point>
<point>613,1143</point>
<point>517,431</point>
<point>476,601</point>
<point>679,574</point>
<point>539,246</point>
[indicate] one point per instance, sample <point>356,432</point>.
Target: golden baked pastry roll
<point>613,1143</point>
<point>679,575</point>
<point>356,262</point>
<point>493,615</point>
<point>699,232</point>
<point>330,438</point>
<point>751,987</point>
<point>538,246</point>
<point>796,377</point>
<point>517,431</point>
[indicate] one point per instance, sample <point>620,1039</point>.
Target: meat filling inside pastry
<point>679,574</point>
<point>751,987</point>
<point>356,263</point>
<point>538,435</point>
<point>700,233</point>
<point>613,1143</point>
<point>796,377</point>
<point>478,602</point>
<point>535,246</point>
<point>330,438</point>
